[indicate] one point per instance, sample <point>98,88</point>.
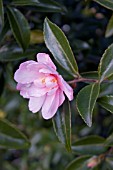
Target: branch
<point>81,79</point>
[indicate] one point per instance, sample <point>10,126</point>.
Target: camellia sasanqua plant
<point>51,85</point>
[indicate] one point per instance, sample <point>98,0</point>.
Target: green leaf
<point>106,3</point>
<point>43,5</point>
<point>86,100</point>
<point>106,64</point>
<point>106,102</point>
<point>109,140</point>
<point>90,75</point>
<point>4,30</point>
<point>2,81</point>
<point>1,13</point>
<point>91,145</point>
<point>110,78</point>
<point>11,137</point>
<point>25,2</point>
<point>62,124</point>
<point>109,30</point>
<point>19,26</point>
<point>65,74</point>
<point>58,44</point>
<point>106,89</point>
<point>16,53</point>
<point>79,163</point>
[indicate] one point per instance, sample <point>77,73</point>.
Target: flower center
<point>43,81</point>
<point>54,80</point>
<point>50,81</point>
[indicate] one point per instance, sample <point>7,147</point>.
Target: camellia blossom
<point>42,85</point>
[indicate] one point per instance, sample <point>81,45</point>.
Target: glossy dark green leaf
<point>43,5</point>
<point>106,102</point>
<point>110,77</point>
<point>4,30</point>
<point>1,13</point>
<point>106,3</point>
<point>79,163</point>
<point>109,140</point>
<point>106,89</point>
<point>25,2</point>
<point>58,44</point>
<point>90,75</point>
<point>91,145</point>
<point>109,30</point>
<point>106,64</point>
<point>16,53</point>
<point>62,124</point>
<point>19,26</point>
<point>11,137</point>
<point>86,100</point>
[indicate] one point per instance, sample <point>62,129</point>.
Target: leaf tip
<point>46,19</point>
<point>89,124</point>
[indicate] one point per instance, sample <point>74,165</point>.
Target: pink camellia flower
<point>42,85</point>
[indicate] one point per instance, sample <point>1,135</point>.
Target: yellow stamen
<point>54,80</point>
<point>43,81</point>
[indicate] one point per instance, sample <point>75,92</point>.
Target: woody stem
<point>82,80</point>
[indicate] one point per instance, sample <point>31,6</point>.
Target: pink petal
<point>35,91</point>
<point>31,90</point>
<point>52,91</point>
<point>51,81</point>
<point>47,71</point>
<point>65,87</point>
<point>44,58</point>
<point>48,102</point>
<point>40,81</point>
<point>23,90</point>
<point>51,108</point>
<point>26,74</point>
<point>35,103</point>
<point>61,97</point>
<point>26,63</point>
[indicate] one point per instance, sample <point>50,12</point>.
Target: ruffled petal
<point>65,87</point>
<point>23,90</point>
<point>31,90</point>
<point>47,104</point>
<point>35,91</point>
<point>61,97</point>
<point>26,72</point>
<point>52,91</point>
<point>50,111</point>
<point>51,81</point>
<point>44,58</point>
<point>35,103</point>
<point>48,70</point>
